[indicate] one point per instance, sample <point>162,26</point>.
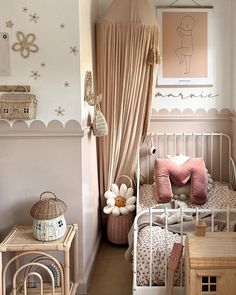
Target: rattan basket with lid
<point>48,213</point>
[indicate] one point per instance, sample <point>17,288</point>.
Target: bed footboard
<point>148,219</point>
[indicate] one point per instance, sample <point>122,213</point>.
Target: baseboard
<point>85,282</point>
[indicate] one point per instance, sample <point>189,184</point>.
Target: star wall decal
<point>59,111</point>
<point>25,9</point>
<point>35,75</point>
<point>62,26</point>
<point>43,65</point>
<point>67,84</point>
<point>74,50</point>
<point>9,24</point>
<point>34,18</point>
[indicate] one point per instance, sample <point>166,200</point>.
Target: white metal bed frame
<point>205,139</point>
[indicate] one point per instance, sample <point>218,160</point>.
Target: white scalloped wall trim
<point>74,128</point>
<point>38,124</point>
<point>53,128</point>
<point>198,113</point>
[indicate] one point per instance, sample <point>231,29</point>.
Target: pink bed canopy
<point>130,11</point>
<point>127,48</point>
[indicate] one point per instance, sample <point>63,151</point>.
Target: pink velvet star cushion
<point>166,172</point>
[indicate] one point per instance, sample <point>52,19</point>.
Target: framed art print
<point>4,55</point>
<point>186,46</point>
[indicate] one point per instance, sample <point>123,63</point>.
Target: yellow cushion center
<point>120,201</point>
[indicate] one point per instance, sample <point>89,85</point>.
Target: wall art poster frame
<point>186,46</point>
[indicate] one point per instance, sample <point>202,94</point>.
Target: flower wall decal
<point>25,44</point>
<point>34,18</point>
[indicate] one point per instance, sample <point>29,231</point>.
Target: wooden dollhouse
<point>210,264</point>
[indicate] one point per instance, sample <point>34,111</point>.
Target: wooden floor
<point>112,274</point>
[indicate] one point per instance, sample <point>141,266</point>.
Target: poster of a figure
<point>186,47</point>
<point>185,51</point>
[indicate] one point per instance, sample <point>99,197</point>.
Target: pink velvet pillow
<point>165,172</point>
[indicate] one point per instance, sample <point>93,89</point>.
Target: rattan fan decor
<point>49,221</point>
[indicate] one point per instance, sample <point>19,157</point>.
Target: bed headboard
<point>214,148</point>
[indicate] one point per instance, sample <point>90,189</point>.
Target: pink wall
<point>200,121</point>
<point>190,121</point>
<point>90,208</point>
<point>38,158</point>
<point>33,160</point>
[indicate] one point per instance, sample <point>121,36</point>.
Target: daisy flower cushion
<point>120,201</point>
<point>166,171</point>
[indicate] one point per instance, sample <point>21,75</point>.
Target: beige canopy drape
<point>127,49</point>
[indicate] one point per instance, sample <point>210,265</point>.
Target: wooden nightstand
<point>32,260</point>
<point>210,264</point>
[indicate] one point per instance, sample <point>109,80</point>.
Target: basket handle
<point>126,177</point>
<point>47,192</point>
<point>26,90</point>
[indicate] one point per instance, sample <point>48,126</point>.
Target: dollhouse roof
<point>17,100</point>
<point>215,250</point>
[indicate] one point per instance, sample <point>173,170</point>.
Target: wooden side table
<point>30,254</point>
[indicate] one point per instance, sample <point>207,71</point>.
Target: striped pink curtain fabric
<point>125,80</point>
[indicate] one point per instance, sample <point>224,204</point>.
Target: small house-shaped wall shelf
<point>12,108</point>
<point>210,263</point>
<point>18,104</point>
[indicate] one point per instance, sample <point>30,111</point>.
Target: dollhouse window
<point>209,284</point>
<point>38,226</point>
<point>26,110</point>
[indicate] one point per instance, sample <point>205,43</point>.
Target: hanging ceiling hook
<point>191,0</point>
